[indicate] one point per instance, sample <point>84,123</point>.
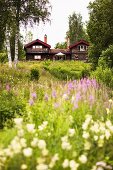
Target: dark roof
<point>64,51</point>
<point>79,42</point>
<point>39,41</point>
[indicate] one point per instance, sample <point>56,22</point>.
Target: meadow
<point>54,116</point>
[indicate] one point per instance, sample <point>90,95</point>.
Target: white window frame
<point>37,57</point>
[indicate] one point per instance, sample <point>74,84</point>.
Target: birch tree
<point>29,11</point>
<point>15,13</point>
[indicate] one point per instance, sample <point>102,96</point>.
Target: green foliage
<point>76,30</point>
<point>100,26</point>
<point>104,75</point>
<point>68,70</point>
<point>10,107</point>
<point>106,58</point>
<point>68,127</point>
<point>34,74</point>
<point>62,45</point>
<point>3,57</point>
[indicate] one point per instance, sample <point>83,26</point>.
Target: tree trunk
<point>8,47</point>
<point>16,48</point>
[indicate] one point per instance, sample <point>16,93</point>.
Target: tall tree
<point>62,45</point>
<point>100,27</point>
<point>17,12</point>
<point>76,30</point>
<point>29,11</point>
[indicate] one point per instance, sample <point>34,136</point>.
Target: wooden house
<point>79,50</point>
<point>39,50</point>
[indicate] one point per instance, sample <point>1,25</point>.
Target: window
<point>82,48</point>
<point>37,57</point>
<point>37,46</point>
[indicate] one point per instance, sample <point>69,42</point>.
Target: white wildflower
<point>23,142</point>
<point>34,142</point>
<point>107,134</point>
<point>20,132</point>
<point>27,152</point>
<point>18,121</point>
<point>64,138</point>
<point>45,152</point>
<point>107,110</point>
<point>108,123</point>
<point>87,145</point>
<point>65,164</point>
<point>71,132</point>
<point>83,159</point>
<point>23,166</point>
<point>65,96</point>
<point>66,145</point>
<point>53,160</point>
<point>30,128</point>
<point>101,163</point>
<point>41,144</point>
<point>73,165</point>
<point>85,135</point>
<point>42,167</point>
<point>95,137</point>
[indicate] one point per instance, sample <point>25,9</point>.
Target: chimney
<point>68,42</point>
<point>45,38</point>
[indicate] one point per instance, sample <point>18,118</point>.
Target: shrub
<point>104,75</point>
<point>34,74</point>
<point>69,70</point>
<point>3,57</point>
<point>10,107</point>
<point>106,58</point>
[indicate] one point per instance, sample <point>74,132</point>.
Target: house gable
<point>37,42</point>
<point>81,42</point>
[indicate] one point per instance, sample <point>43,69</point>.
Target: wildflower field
<point>52,123</point>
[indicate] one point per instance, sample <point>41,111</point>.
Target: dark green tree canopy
<point>76,30</point>
<point>100,25</point>
<point>62,45</point>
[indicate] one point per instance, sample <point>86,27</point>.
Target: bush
<point>104,75</point>
<point>3,57</point>
<point>106,58</point>
<point>10,107</point>
<point>34,74</point>
<point>68,70</point>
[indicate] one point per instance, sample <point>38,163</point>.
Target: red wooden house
<point>39,50</point>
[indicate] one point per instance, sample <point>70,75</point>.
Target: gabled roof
<point>78,43</point>
<point>39,41</point>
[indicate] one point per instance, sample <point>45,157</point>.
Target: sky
<point>56,30</point>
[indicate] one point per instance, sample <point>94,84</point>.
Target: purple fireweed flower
<point>8,88</point>
<point>65,96</point>
<point>31,102</point>
<point>56,105</point>
<point>94,83</point>
<point>54,94</point>
<point>34,95</point>
<point>46,97</point>
<point>78,96</point>
<point>70,86</point>
<point>91,99</point>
